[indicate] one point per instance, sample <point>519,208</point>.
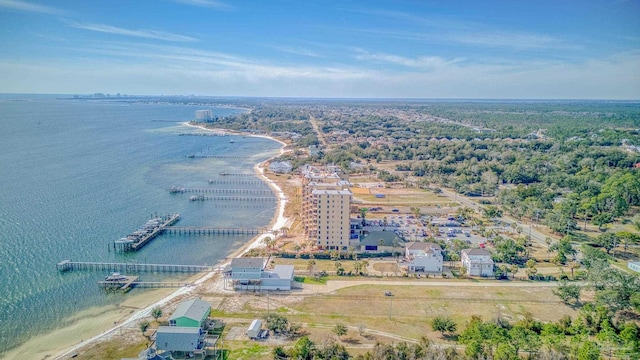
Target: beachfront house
<point>424,257</point>
<point>191,313</point>
<point>184,342</point>
<point>283,167</point>
<point>477,262</point>
<point>250,274</point>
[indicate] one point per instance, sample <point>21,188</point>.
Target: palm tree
<point>357,266</point>
<point>416,212</point>
<point>365,265</point>
<point>284,231</point>
<point>363,214</point>
<point>547,240</point>
<point>310,264</point>
<point>514,270</point>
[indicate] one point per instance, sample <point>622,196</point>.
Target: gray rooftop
<point>175,338</point>
<point>280,272</point>
<point>247,263</point>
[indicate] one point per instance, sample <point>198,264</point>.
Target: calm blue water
<point>76,175</point>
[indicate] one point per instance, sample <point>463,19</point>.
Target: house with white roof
<point>424,257</point>
<point>477,262</point>
<point>282,167</point>
<point>250,274</point>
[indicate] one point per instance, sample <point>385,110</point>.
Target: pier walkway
<point>235,182</point>
<point>178,190</point>
<point>188,230</point>
<point>205,156</point>
<point>68,265</point>
<point>132,281</point>
<point>232,198</point>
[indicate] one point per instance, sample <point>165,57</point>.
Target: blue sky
<point>393,49</point>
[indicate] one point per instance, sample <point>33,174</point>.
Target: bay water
<point>75,175</point>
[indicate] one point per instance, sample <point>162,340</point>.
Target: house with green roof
<point>191,313</point>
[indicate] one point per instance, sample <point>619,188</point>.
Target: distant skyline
<point>292,48</point>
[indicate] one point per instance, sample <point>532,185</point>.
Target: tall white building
<point>204,115</point>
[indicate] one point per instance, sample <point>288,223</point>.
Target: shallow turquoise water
<point>76,175</point>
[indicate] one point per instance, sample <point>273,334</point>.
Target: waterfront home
<point>191,313</point>
<point>250,274</point>
<point>477,262</point>
<point>181,342</point>
<point>282,167</point>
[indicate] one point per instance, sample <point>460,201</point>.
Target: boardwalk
<point>129,282</point>
<point>68,265</point>
<point>188,230</point>
<point>205,156</point>
<point>179,190</point>
<point>235,182</point>
<point>232,198</point>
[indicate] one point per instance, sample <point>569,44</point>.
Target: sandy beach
<point>99,324</point>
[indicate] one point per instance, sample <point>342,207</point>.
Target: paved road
<point>333,285</point>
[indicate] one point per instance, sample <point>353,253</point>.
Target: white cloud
<point>427,62</point>
<point>298,51</point>
<point>30,7</point>
<point>141,33</point>
<point>206,3</point>
<point>157,69</point>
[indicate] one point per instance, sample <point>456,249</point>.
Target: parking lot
<point>411,229</point>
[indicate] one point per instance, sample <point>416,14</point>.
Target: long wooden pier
<point>205,156</point>
<point>68,265</point>
<point>187,230</point>
<point>177,190</point>
<point>232,198</point>
<point>236,174</point>
<point>129,282</point>
<point>235,181</point>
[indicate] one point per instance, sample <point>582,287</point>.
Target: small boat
<point>231,141</point>
<point>115,277</point>
<point>224,173</point>
<point>124,241</point>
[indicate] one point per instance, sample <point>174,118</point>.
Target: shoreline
<point>64,342</point>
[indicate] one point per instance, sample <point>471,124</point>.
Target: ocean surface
<point>75,175</point>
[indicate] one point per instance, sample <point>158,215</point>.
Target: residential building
<point>282,167</point>
<point>183,342</point>
<point>250,274</point>
<point>478,262</point>
<point>424,257</point>
<point>634,265</point>
<point>326,205</point>
<point>191,313</point>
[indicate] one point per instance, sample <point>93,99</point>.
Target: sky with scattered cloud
<point>358,49</point>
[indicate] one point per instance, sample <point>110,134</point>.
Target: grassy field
<point>405,316</point>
